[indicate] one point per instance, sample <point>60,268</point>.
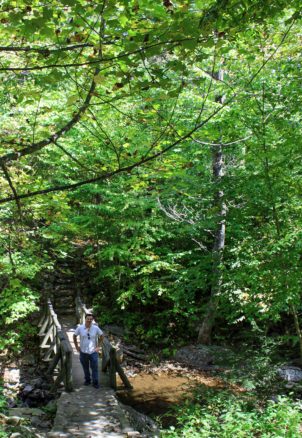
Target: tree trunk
<point>205,330</point>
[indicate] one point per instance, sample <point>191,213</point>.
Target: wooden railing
<point>56,348</point>
<point>110,360</point>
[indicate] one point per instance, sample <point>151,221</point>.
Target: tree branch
<point>96,61</point>
<point>124,169</point>
<point>73,158</point>
<point>44,50</point>
<point>9,180</point>
<point>34,147</point>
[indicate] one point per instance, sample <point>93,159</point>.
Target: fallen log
<point>134,355</point>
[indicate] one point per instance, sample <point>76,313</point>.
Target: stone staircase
<point>64,289</point>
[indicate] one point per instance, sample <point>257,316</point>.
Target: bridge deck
<point>88,412</point>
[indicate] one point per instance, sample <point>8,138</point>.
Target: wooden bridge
<point>57,349</point>
<point>83,411</point>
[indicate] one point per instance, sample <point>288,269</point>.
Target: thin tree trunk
<point>297,327</point>
<point>205,331</point>
<point>206,328</point>
<point>276,220</point>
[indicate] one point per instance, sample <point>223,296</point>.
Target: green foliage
<point>3,406</point>
<point>247,406</point>
<point>3,433</point>
<point>121,102</point>
<point>225,415</point>
<point>3,403</point>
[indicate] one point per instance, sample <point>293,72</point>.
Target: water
<point>154,395</point>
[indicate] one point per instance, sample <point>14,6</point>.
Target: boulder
<point>26,412</point>
<point>14,421</point>
<point>114,329</point>
<point>290,373</point>
<point>36,417</point>
<point>29,359</point>
<point>203,356</point>
<point>38,382</point>
<point>27,390</point>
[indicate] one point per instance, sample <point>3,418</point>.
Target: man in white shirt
<point>91,337</point>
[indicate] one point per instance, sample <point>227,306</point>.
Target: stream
<point>155,395</point>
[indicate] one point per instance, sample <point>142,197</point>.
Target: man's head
<point>88,319</point>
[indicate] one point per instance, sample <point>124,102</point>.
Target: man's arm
<point>100,342</point>
<point>75,341</point>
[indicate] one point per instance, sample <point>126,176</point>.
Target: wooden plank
<point>45,324</point>
<point>47,336</point>
<point>106,346</point>
<point>54,363</point>
<point>112,369</point>
<point>123,375</point>
<point>43,317</point>
<point>105,364</point>
<point>68,372</point>
<point>46,356</point>
<point>60,378</point>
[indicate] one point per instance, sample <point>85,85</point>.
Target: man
<point>91,337</point>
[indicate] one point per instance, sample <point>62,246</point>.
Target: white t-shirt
<point>88,337</point>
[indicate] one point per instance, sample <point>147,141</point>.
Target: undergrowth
<point>254,403</point>
<point>225,415</point>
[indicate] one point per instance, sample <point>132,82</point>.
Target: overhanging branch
<point>121,169</point>
<point>44,50</point>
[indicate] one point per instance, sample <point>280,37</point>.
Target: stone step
<point>63,304</point>
<point>64,293</point>
<point>64,301</point>
<point>68,306</point>
<point>60,307</point>
<point>65,311</point>
<point>66,285</point>
<point>64,279</point>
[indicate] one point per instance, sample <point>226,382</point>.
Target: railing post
<point>68,371</point>
<point>112,368</point>
<point>59,349</point>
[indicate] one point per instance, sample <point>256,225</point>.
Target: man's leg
<point>94,368</point>
<point>84,359</point>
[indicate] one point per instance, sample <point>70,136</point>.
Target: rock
<point>51,407</point>
<point>45,385</point>
<point>290,373</point>
<point>38,396</point>
<point>3,418</point>
<point>196,356</point>
<point>11,403</point>
<point>140,422</point>
<point>27,389</point>
<point>29,359</point>
<point>15,435</point>
<point>37,383</point>
<point>14,421</point>
<point>40,424</point>
<point>274,398</point>
<point>203,356</point>
<point>36,417</point>
<point>26,412</point>
<point>11,375</point>
<point>29,432</point>
<point>115,330</point>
